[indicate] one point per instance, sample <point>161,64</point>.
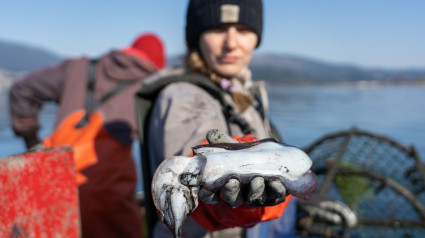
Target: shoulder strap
<point>91,102</point>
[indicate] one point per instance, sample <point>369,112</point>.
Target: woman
<point>221,37</point>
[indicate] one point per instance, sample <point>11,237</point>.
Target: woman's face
<point>228,49</point>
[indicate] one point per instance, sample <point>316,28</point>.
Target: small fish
<point>179,181</point>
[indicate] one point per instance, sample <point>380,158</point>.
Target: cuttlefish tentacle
<point>173,199</point>
<point>217,170</point>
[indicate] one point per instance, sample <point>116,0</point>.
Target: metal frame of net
<point>380,179</point>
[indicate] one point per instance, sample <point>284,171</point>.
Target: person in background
<point>221,37</point>
<point>108,207</point>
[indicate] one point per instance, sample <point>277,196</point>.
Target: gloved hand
<point>258,191</point>
<point>27,129</point>
<point>32,142</point>
<point>328,210</point>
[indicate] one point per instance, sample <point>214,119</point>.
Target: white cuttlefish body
<point>178,180</point>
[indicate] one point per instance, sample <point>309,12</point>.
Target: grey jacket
<point>183,113</point>
<point>181,116</point>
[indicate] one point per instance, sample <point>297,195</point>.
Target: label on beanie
<point>229,13</point>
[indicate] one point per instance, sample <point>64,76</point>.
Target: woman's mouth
<point>228,59</point>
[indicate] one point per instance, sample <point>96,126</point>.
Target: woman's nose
<point>231,40</point>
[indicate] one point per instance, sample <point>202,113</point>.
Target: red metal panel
<point>38,195</point>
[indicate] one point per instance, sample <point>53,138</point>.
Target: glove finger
<point>231,193</point>
<point>348,216</point>
<point>208,196</point>
<point>324,215</point>
<point>276,192</point>
<point>256,193</point>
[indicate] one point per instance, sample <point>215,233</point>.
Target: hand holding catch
<point>257,191</point>
<point>258,173</point>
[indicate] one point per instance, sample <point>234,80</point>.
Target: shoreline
<point>361,83</point>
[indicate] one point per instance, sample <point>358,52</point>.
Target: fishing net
<point>380,179</point>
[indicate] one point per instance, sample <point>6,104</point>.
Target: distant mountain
<point>281,68</point>
<point>290,69</point>
<point>274,68</point>
<point>21,57</point>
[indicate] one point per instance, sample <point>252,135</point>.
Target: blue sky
<point>372,33</point>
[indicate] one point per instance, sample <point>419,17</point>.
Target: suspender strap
<point>91,103</point>
<point>114,91</point>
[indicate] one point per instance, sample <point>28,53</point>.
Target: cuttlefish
<point>180,181</point>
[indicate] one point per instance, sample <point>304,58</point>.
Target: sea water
<point>303,114</point>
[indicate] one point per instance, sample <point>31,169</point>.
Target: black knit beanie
<point>203,15</point>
